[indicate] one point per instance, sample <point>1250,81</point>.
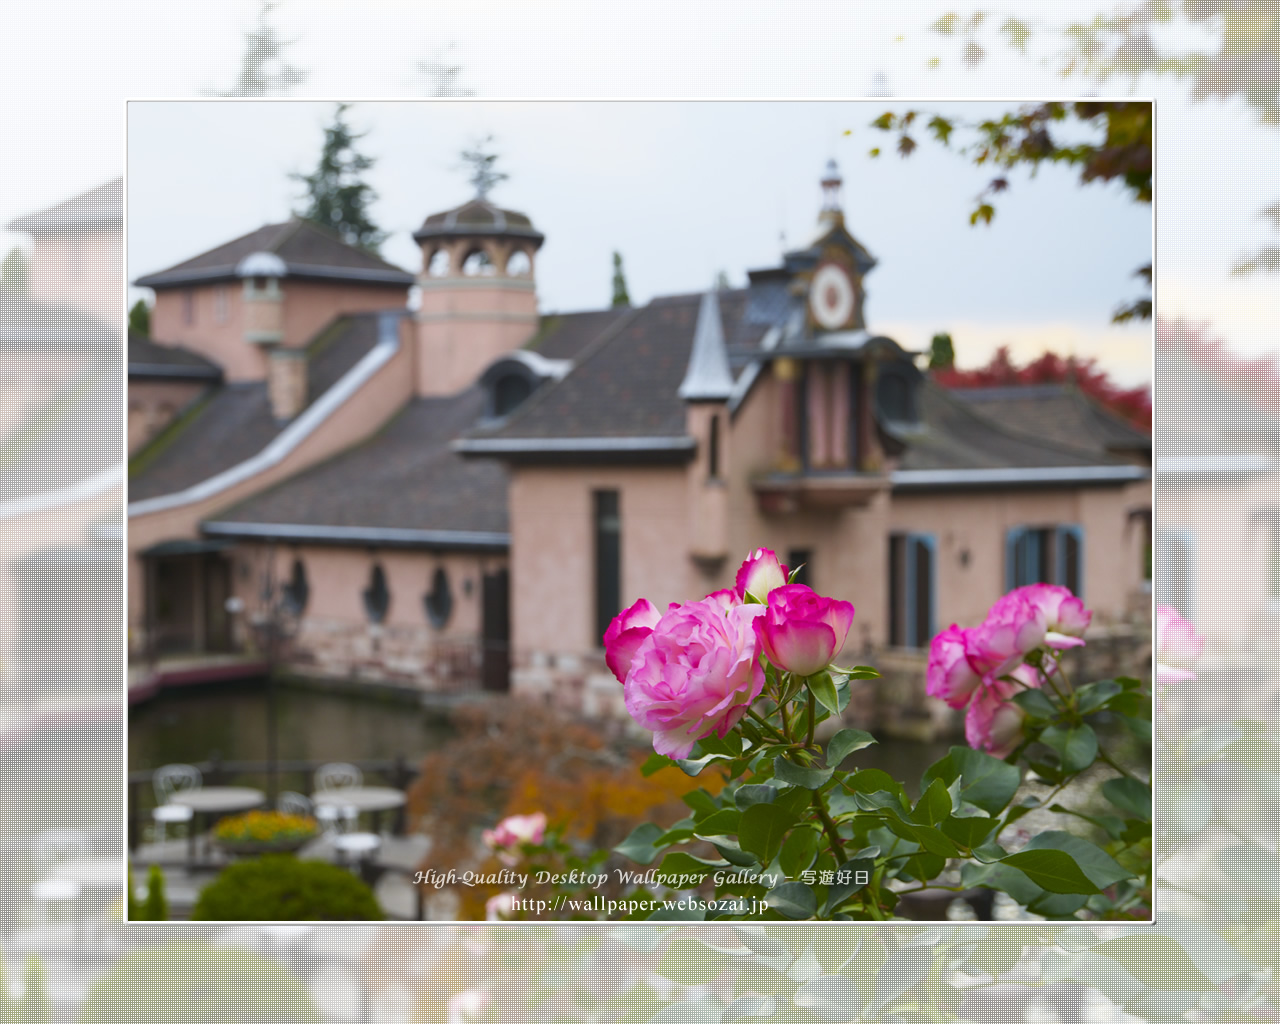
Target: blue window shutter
<point>1012,540</point>
<point>926,541</point>
<point>1065,573</point>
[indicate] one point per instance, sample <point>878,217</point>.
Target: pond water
<point>320,722</point>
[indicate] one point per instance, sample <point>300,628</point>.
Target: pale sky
<point>1214,171</point>
<point>682,190</point>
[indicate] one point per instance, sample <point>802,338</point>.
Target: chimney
<point>287,381</point>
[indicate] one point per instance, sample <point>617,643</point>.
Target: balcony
<point>779,493</point>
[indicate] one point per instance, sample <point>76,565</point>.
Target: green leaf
<point>904,969</point>
<point>762,829</point>
<point>1098,866</point>
<point>941,129</point>
<point>703,1010</point>
<point>1076,747</point>
<point>832,998</point>
<point>677,864</point>
<point>985,781</point>
<point>690,962</point>
<point>873,780</point>
<point>694,766</point>
<point>929,838</point>
<point>1139,726</point>
<point>793,900</point>
<point>823,687</point>
<point>857,672</point>
<point>701,803</point>
<point>1207,743</point>
<point>1129,795</point>
<point>730,745</point>
<point>984,213</point>
<point>655,763</point>
<point>639,845</point>
<point>1035,704</point>
<point>798,852</point>
<point>1094,696</point>
<point>1052,870</point>
<point>721,823</point>
<point>968,831</point>
<point>934,804</point>
<point>733,853</point>
<point>748,795</point>
<point>795,800</point>
<point>795,775</point>
<point>846,742</point>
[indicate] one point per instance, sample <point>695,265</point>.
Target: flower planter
<point>246,848</point>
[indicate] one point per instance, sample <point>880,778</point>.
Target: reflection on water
<point>317,722</point>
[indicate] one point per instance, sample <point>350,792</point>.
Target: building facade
<point>465,494</point>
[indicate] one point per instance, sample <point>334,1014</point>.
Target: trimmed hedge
<point>280,887</point>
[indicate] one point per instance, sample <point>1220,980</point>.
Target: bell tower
<point>479,300</point>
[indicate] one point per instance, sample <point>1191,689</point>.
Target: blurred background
<point>62,505</point>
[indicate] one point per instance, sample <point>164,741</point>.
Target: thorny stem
<point>769,725</point>
<point>828,825</point>
<point>809,739</point>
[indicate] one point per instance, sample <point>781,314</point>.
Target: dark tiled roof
<point>306,249</point>
<point>1057,415</point>
<point>234,422</point>
<point>405,478</point>
<point>626,380</point>
<point>101,205</point>
<point>481,218</point>
<point>955,435</point>
<point>148,358</point>
<point>565,335</point>
<point>72,436</point>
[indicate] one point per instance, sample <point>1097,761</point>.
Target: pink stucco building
<point>466,493</point>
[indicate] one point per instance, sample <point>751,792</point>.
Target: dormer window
<point>896,394</point>
<point>828,426</point>
<point>509,391</point>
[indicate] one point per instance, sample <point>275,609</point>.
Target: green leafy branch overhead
<point>1119,150</point>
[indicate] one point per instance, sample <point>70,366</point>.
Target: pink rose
<point>801,631</point>
<point>759,574</point>
<point>516,830</point>
<point>1177,643</point>
<point>1014,628</point>
<point>1066,617</point>
<point>625,633</point>
<point>695,673</point>
<point>993,723</point>
<point>951,677</point>
<point>500,906</point>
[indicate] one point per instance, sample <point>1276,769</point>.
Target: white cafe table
<point>364,799</point>
<point>209,800</point>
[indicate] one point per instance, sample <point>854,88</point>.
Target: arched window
<point>438,265</point>
<point>478,264</point>
<point>509,391</point>
<point>297,590</point>
<point>438,601</point>
<point>377,598</point>
<point>519,265</point>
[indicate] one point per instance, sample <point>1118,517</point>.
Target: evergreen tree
<point>620,295</point>
<point>942,353</point>
<point>133,909</point>
<point>440,76</point>
<point>13,272</point>
<point>156,907</point>
<point>337,196</point>
<point>483,174</point>
<point>263,68</point>
<point>140,319</point>
<point>722,281</point>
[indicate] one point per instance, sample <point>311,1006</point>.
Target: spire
<point>831,183</point>
<point>708,378</point>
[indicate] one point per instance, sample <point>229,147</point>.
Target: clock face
<point>831,296</point>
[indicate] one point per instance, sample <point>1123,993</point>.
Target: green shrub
<point>156,907</point>
<point>280,887</point>
<point>184,982</point>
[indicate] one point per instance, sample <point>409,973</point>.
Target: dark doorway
<point>496,631</point>
<point>187,590</point>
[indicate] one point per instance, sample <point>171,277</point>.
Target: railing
<point>396,772</point>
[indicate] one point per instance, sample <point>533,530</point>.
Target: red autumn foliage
<point>1131,404</point>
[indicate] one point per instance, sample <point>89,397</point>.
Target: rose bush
<point>738,682</point>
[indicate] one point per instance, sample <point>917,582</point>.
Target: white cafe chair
<point>169,780</point>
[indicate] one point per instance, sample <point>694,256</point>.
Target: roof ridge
<point>287,230</point>
<point>1100,411</point>
<point>1013,434</point>
<point>587,353</point>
